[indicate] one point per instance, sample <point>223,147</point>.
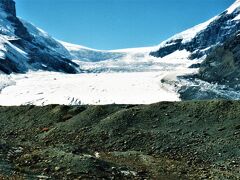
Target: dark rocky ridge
<point>223,64</point>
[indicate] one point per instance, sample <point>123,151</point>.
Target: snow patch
<point>5,81</point>
<point>75,47</point>
<point>233,7</point>
<point>189,34</point>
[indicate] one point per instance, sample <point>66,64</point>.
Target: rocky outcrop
<point>219,74</point>
<point>216,42</point>
<point>8,6</point>
<point>222,66</point>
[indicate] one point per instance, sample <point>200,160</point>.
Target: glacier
<point>125,76</point>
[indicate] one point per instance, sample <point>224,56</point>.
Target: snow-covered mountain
<point>218,76</point>
<point>22,48</point>
<point>199,63</point>
<point>201,39</point>
<point>193,44</point>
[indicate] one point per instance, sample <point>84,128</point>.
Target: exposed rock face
<point>220,72</point>
<point>217,32</point>
<point>223,64</point>
<point>8,6</point>
<point>218,40</point>
<point>25,48</point>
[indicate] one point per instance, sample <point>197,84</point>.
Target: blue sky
<point>115,24</point>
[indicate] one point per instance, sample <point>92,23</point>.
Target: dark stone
<point>195,65</point>
<point>8,6</point>
<point>168,49</point>
<point>7,66</point>
<point>20,29</point>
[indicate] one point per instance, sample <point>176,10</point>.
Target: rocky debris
<point>122,141</point>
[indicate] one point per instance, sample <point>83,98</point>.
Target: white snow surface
<point>5,81</point>
<point>45,39</point>
<point>188,34</point>
<point>143,87</point>
<point>233,7</point>
<point>74,47</point>
<point>42,88</point>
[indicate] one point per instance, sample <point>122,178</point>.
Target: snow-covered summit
<point>188,34</point>
<point>233,7</point>
<point>201,39</point>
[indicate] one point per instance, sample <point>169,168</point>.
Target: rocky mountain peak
<point>8,6</point>
<point>201,39</point>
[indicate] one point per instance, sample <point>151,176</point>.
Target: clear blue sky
<point>114,24</point>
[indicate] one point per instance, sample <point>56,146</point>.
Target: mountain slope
<point>201,39</point>
<point>21,50</point>
<point>86,54</point>
<point>223,64</point>
<point>219,74</point>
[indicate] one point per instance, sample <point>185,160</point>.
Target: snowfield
<point>42,88</point>
<point>134,79</point>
